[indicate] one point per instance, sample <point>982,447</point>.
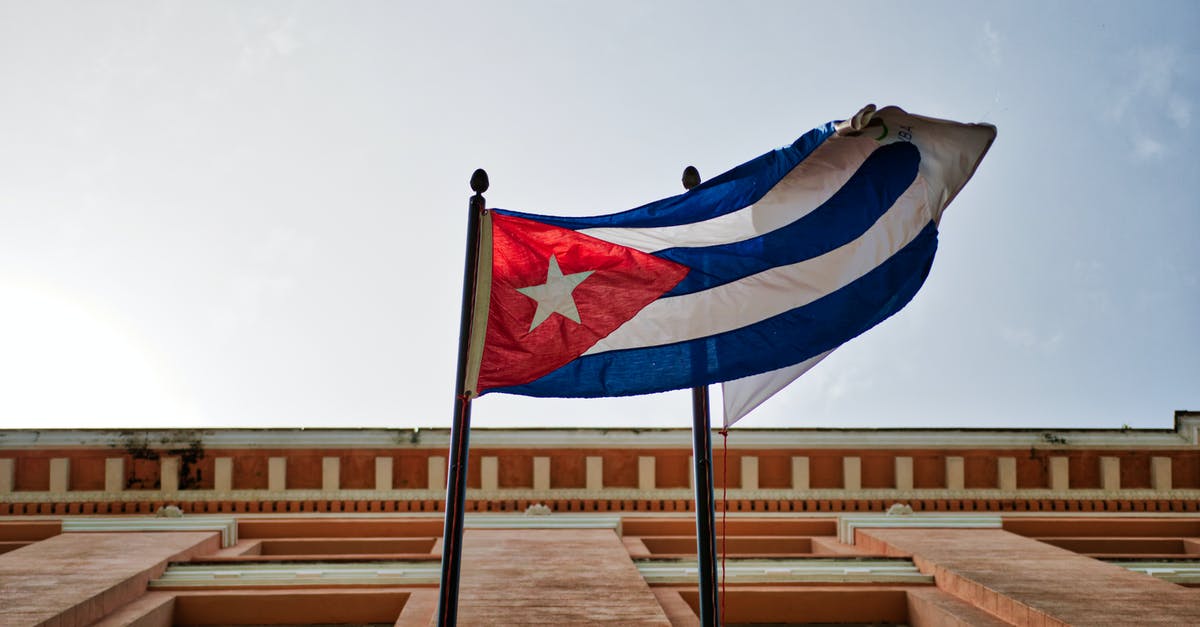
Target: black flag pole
<point>706,540</point>
<point>460,428</point>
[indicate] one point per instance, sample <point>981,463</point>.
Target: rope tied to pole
<point>724,508</point>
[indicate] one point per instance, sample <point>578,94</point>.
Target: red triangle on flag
<point>543,276</point>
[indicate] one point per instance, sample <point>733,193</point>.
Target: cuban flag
<point>748,280</point>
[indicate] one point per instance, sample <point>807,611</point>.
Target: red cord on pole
<point>724,509</point>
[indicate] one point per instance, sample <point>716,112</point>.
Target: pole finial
<point>479,181</point>
<point>691,177</point>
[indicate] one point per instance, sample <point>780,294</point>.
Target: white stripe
<point>741,396</point>
<point>775,291</point>
<point>950,152</point>
<point>806,187</point>
<point>483,298</point>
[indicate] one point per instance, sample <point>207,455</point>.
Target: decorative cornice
<point>1184,435</point>
<point>899,496</point>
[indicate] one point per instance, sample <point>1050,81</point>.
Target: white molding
<point>408,573</point>
<point>847,524</point>
<point>552,521</point>
<point>787,571</point>
<point>300,574</point>
<point>655,572</point>
<point>1180,572</point>
<point>565,516</point>
<point>226,525</point>
<point>1184,436</point>
<point>666,494</point>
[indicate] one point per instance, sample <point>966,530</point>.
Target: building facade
<point>567,526</point>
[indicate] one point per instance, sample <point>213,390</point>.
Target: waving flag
<point>750,278</point>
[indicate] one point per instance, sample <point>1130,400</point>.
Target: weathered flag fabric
<point>750,278</point>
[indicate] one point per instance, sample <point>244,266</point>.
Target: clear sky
<point>253,214</point>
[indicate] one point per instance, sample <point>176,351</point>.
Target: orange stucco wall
<point>1185,467</point>
<point>567,470</point>
<point>671,469</point>
<point>774,470</point>
<point>825,470</point>
<point>620,467</point>
<point>878,471</point>
<point>981,471</point>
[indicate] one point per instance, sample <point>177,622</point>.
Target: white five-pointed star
<point>554,296</point>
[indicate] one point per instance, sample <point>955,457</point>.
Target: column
<point>800,476</point>
<point>437,472</point>
<point>904,473</point>
<point>1060,474</point>
<point>168,474</point>
<point>646,478</point>
<point>223,474</point>
<point>1110,473</point>
<point>114,474</point>
<point>1160,473</point>
<point>1006,473</point>
<point>383,473</point>
<point>955,473</point>
<point>489,473</point>
<point>595,473</point>
<point>277,474</point>
<point>8,475</point>
<point>851,473</point>
<point>541,473</point>
<point>749,472</point>
<point>331,473</point>
<point>60,474</point>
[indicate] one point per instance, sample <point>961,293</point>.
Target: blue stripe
<point>783,340</point>
<point>846,215</point>
<point>737,188</point>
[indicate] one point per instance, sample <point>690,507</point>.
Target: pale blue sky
<point>252,214</point>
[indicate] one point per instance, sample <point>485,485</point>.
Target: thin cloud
<point>278,40</point>
<point>1029,339</point>
<point>991,44</point>
<point>1148,99</point>
<point>1146,148</point>
<point>1180,111</point>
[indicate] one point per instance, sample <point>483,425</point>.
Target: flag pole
<point>460,427</point>
<point>706,540</point>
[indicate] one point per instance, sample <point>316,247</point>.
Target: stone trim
<point>734,494</point>
<point>226,525</point>
<point>191,576</point>
<point>847,524</point>
<point>625,506</point>
<point>572,521</point>
<point>1185,434</point>
<point>427,572</point>
<point>8,474</point>
<point>788,571</point>
<point>1181,572</point>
